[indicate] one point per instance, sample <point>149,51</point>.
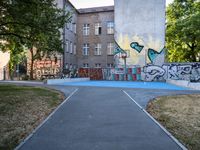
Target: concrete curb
<point>22,82</point>
<point>60,81</point>
<point>169,134</point>
<point>184,83</point>
<point>40,125</point>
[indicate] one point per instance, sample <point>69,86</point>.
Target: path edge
<point>44,121</point>
<point>157,123</point>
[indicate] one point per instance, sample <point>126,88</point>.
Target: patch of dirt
<point>22,109</point>
<point>180,115</point>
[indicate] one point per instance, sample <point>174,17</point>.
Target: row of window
<point>86,28</point>
<point>86,65</point>
<point>97,65</point>
<point>98,49</point>
<point>70,66</point>
<point>98,28</point>
<point>70,47</point>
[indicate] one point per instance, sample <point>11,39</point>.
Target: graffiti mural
<point>136,46</point>
<point>46,67</point>
<point>195,73</point>
<point>114,74</point>
<point>154,73</point>
<point>96,74</point>
<point>175,71</point>
<point>154,55</point>
<point>139,33</point>
<point>83,72</point>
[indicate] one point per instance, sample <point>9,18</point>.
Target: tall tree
<point>183,31</point>
<point>34,24</point>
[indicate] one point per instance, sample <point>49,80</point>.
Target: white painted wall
<point>141,21</point>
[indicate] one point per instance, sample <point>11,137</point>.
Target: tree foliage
<point>34,25</point>
<point>183,31</point>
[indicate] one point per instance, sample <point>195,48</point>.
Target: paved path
<point>99,119</point>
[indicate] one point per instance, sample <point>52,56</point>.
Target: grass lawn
<point>23,108</point>
<point>181,116</point>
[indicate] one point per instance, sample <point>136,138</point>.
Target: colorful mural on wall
<point>175,71</point>
<point>115,74</point>
<point>141,35</point>
<point>46,68</point>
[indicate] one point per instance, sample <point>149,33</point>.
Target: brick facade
<point>74,35</point>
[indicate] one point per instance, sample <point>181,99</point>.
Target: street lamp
<point>124,56</point>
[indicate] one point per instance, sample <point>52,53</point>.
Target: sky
<point>96,3</point>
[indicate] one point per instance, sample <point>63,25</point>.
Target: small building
<point>4,65</point>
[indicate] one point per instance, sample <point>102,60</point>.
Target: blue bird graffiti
<point>152,54</point>
<point>136,46</point>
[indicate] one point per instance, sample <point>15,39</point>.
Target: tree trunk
<point>32,63</point>
<point>194,59</point>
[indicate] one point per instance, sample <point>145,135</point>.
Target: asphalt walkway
<point>97,118</point>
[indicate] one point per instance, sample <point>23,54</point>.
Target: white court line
<point>169,134</point>
<point>40,125</point>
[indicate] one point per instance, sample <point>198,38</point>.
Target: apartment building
<point>140,32</point>
<point>70,37</point>
<point>89,37</point>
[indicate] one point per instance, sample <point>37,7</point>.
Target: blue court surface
<point>127,84</point>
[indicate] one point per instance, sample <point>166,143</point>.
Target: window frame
<point>98,29</point>
<point>86,29</point>
<point>85,50</point>
<point>110,27</point>
<point>97,65</point>
<point>85,65</point>
<point>71,47</point>
<point>110,48</point>
<point>67,46</point>
<point>98,49</point>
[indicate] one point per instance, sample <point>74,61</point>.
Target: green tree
<point>34,24</point>
<point>183,31</point>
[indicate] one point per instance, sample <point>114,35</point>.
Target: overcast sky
<point>96,3</point>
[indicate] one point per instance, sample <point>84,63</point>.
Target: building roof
<point>96,9</point>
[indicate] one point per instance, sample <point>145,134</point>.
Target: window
<point>86,29</point>
<point>67,25</point>
<point>71,48</point>
<point>66,66</point>
<point>74,49</point>
<point>74,28</point>
<point>110,48</point>
<point>86,49</point>
<point>85,65</point>
<point>110,27</point>
<point>71,27</point>
<point>97,49</point>
<point>97,29</point>
<point>67,46</point>
<point>109,65</point>
<point>70,67</point>
<point>97,65</point>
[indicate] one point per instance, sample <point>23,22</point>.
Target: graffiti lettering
<point>175,71</point>
<point>153,73</point>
